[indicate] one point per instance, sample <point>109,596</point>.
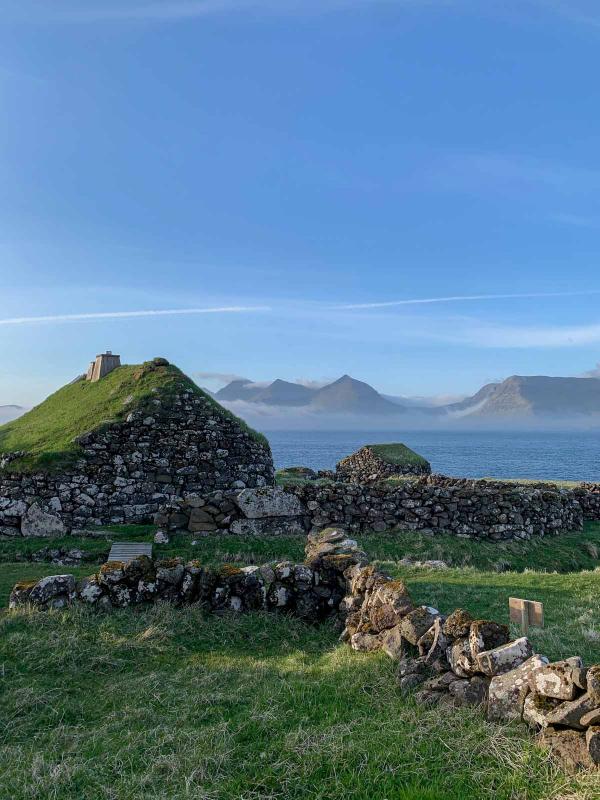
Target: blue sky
<point>301,166</point>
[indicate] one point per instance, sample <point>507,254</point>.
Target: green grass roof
<point>48,433</point>
<point>398,454</point>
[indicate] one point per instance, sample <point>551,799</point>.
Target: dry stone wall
<point>452,660</point>
<point>130,469</point>
<point>480,509</point>
<point>456,660</point>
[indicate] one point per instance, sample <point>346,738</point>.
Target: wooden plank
<point>526,613</point>
<point>127,551</point>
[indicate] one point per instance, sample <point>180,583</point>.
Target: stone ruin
<point>446,661</point>
<point>103,364</point>
<point>177,444</point>
<point>370,464</point>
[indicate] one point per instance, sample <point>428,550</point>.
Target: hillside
<point>48,433</point>
<point>348,395</point>
<point>533,396</point>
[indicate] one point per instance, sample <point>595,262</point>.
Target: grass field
<point>565,553</point>
<point>171,703</point>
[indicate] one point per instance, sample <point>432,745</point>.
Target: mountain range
<point>516,398</point>
<point>521,400</point>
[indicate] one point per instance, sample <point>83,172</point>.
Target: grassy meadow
<point>157,702</point>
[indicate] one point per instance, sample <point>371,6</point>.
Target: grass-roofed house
<point>115,448</point>
<point>375,462</point>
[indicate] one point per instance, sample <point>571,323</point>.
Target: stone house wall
<point>129,469</point>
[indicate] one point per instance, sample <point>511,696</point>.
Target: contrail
<point>126,314</point>
<point>461,298</point>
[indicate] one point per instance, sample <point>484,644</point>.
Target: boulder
<point>536,709</point>
<point>54,591</point>
<point>591,718</point>
<point>458,624</point>
<point>392,642</point>
<point>486,635</point>
<point>507,691</point>
<point>504,658</point>
<point>416,623</point>
<point>366,642</point>
<point>593,682</point>
<point>459,658</point>
<point>571,712</point>
<point>441,683</point>
<point>472,692</point>
<point>89,590</point>
<point>556,680</point>
<point>36,522</point>
<point>268,502</point>
<point>19,595</point>
<point>592,740</point>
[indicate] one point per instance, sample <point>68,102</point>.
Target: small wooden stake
<point>524,618</point>
<point>526,613</point>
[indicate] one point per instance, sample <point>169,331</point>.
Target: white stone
<point>36,522</point>
<point>504,658</point>
<point>268,502</point>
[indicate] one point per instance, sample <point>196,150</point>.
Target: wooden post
<point>526,613</point>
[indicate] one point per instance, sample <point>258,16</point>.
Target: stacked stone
<point>178,445</point>
<point>481,509</point>
<point>255,512</point>
<point>588,495</point>
<point>461,661</point>
<point>66,556</point>
<point>365,466</point>
<point>312,590</point>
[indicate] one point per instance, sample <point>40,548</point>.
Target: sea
<point>545,455</point>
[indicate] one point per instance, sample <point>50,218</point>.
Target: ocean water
<point>556,455</point>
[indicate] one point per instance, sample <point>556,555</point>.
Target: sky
<point>407,191</point>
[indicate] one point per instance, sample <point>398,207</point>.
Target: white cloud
<point>129,314</point>
<point>460,298</point>
<point>219,377</point>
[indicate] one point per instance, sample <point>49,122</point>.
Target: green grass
<point>158,702</point>
<point>169,703</point>
<point>398,454</point>
<point>47,433</point>
<point>569,552</point>
<point>285,478</point>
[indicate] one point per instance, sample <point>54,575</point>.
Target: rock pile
<point>370,464</point>
<point>462,661</point>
